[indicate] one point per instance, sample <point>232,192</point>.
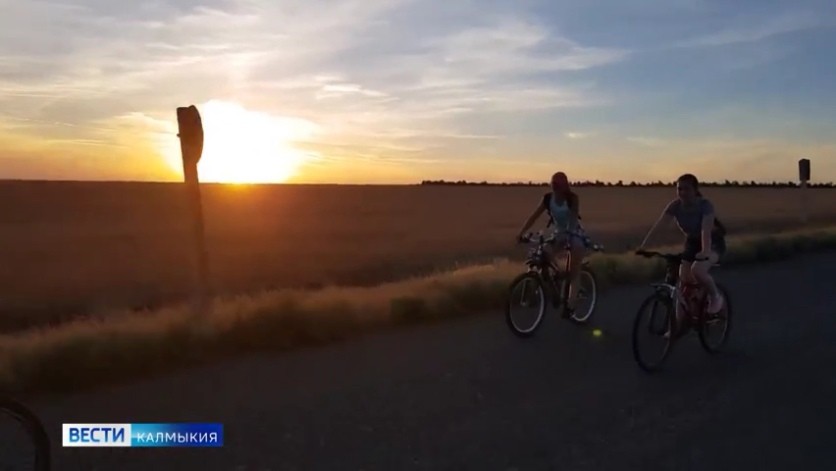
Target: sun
<point>243,146</point>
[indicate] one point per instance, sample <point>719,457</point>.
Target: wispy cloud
<point>357,67</point>
<point>647,141</point>
<point>578,135</point>
<point>758,30</point>
<point>342,89</point>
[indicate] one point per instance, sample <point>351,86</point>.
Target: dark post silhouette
<point>804,176</point>
<point>190,133</point>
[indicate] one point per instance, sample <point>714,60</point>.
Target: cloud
<point>356,67</point>
<point>757,30</point>
<point>523,45</point>
<point>647,141</point>
<point>342,89</point>
<point>578,135</point>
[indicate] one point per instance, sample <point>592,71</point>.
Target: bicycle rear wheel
<point>24,443</point>
<point>651,344</point>
<point>526,304</point>
<point>714,329</point>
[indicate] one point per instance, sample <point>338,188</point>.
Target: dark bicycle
<point>24,443</point>
<point>659,312</point>
<point>545,282</point>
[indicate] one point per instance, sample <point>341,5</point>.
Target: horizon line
<point>442,182</point>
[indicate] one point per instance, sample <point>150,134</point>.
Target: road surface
<point>467,394</point>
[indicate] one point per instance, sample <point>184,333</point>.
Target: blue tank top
<point>560,214</point>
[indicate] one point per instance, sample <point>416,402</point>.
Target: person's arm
<point>665,218</point>
<point>532,219</point>
<point>707,225</point>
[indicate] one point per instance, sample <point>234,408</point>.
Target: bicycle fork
<point>551,285</point>
<point>556,286</point>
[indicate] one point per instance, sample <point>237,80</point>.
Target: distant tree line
<point>633,184</point>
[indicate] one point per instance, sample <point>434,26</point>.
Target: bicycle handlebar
<point>677,257</point>
<point>530,237</point>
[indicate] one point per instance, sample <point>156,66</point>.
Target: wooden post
<point>191,147</point>
<point>804,176</point>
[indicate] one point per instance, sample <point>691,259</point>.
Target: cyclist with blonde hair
<point>563,207</point>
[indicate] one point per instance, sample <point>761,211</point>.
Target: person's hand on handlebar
<point>703,256</point>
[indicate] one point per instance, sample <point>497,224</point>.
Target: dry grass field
<point>68,248</point>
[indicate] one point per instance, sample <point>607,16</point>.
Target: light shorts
<point>575,241</point>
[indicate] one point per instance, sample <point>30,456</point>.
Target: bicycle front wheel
<point>652,329</point>
<point>526,304</point>
<point>24,443</point>
<point>714,329</point>
<point>587,297</point>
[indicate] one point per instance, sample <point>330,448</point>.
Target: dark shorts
<point>694,246</point>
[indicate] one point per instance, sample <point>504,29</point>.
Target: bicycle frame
<point>541,261</point>
<point>691,295</point>
<point>670,288</point>
<point>550,279</point>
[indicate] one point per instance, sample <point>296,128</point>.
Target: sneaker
<point>715,304</point>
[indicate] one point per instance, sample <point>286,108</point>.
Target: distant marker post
<point>190,132</point>
<point>804,177</point>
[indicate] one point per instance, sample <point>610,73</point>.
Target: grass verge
<point>121,345</point>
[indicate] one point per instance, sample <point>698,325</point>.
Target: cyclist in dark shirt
<point>705,239</point>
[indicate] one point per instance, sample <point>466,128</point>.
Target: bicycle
<point>542,279</point>
<point>24,442</point>
<point>693,299</point>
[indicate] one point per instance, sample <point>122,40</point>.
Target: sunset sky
<point>376,91</point>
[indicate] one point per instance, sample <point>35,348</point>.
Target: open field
<point>117,345</point>
<point>88,247</point>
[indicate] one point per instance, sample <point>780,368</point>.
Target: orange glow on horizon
<point>242,146</point>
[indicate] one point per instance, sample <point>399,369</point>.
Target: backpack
<point>720,227</point>
<point>570,201</point>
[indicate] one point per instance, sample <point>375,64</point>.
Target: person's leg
<point>558,256</point>
<point>576,256</point>
<point>685,277</point>
<point>700,272</point>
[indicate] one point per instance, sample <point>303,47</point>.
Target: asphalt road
<point>468,395</point>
